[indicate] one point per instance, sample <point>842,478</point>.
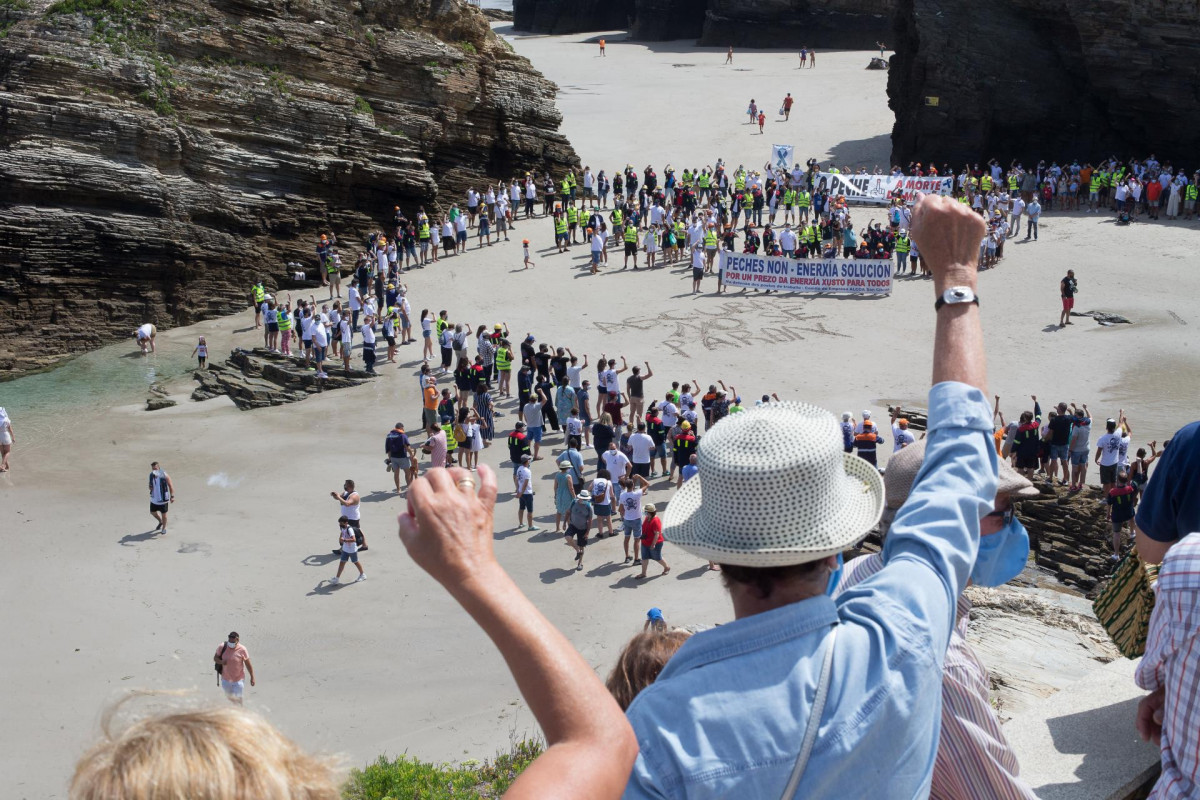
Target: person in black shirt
<point>527,351</point>
<point>558,364</point>
<point>546,389</point>
<point>633,387</point>
<point>1060,443</point>
<point>541,361</point>
<point>1068,287</point>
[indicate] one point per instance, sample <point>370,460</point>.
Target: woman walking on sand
<point>564,495</point>
<point>6,438</point>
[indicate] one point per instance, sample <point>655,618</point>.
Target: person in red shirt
<point>1153,194</point>
<point>652,540</point>
<point>762,120</point>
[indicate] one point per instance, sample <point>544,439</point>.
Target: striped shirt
<point>1172,661</point>
<point>973,757</point>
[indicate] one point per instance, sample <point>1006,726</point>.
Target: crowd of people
<point>831,679</point>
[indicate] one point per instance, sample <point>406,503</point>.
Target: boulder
<point>1034,79</point>
<point>157,157</point>
<point>156,403</point>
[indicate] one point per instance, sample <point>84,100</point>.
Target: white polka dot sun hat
<point>774,489</point>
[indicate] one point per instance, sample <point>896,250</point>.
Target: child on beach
<point>525,248</point>
<point>201,353</point>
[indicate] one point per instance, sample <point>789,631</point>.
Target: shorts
<point>391,340</point>
<point>595,256</point>
<point>1108,474</point>
<point>660,451</point>
<point>1117,526</point>
<point>160,508</point>
<point>1060,451</point>
<point>525,503</point>
<point>307,343</point>
<point>427,334</point>
<point>400,463</point>
<point>429,416</point>
<point>602,509</point>
<point>273,326</point>
<point>652,553</point>
<point>319,353</point>
<point>697,273</point>
<point>349,557</point>
<point>1027,462</point>
<point>1068,303</point>
<point>642,469</point>
<point>461,237</point>
<point>579,536</point>
<point>631,526</point>
<point>535,433</point>
<point>631,248</point>
<point>233,688</point>
<point>6,437</point>
<point>1079,458</point>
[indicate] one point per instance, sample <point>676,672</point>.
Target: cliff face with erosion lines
<point>1034,79</point>
<point>157,156</point>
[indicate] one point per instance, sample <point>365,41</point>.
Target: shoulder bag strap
<point>814,720</point>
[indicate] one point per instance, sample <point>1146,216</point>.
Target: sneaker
<point>361,577</point>
<point>579,567</point>
<point>534,528</point>
<point>637,562</point>
<point>335,580</point>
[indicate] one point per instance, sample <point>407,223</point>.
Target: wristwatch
<point>956,294</point>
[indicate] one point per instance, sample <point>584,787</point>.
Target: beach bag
<point>781,111</point>
<point>1123,607</point>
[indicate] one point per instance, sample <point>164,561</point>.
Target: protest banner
<point>781,156</point>
<point>832,275</point>
<point>877,189</point>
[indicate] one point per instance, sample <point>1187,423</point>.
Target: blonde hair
<point>640,662</point>
<point>206,754</point>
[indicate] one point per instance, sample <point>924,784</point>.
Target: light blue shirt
<point>727,714</point>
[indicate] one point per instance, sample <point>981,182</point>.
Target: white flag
<point>781,156</point>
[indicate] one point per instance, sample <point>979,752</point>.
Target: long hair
<point>640,662</point>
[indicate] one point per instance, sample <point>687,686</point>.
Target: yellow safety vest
<point>572,215</point>
<point>440,326</point>
<point>703,180</point>
<point>566,187</point>
<point>617,217</point>
<point>560,225</point>
<point>789,197</point>
<point>985,183</point>
<point>710,238</point>
<point>739,181</point>
<point>902,245</point>
<point>1192,191</point>
<point>1012,183</point>
<point>260,293</point>
<point>451,442</point>
<point>424,230</point>
<point>748,200</point>
<point>503,359</point>
<point>284,319</point>
<point>631,234</point>
<point>680,232</point>
<point>803,199</point>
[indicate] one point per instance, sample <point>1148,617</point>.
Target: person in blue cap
<point>654,621</point>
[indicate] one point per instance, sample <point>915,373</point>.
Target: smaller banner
<point>781,156</point>
<point>876,188</point>
<point>834,275</point>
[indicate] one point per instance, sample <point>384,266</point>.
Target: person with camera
<point>232,662</point>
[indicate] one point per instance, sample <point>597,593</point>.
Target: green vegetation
<point>96,8</point>
<point>432,64</point>
<point>468,48</point>
<point>14,5</point>
<point>158,101</point>
<point>362,106</point>
<point>369,35</point>
<point>406,777</point>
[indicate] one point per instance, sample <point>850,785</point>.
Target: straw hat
<point>827,503</point>
<point>903,466</point>
<point>584,496</point>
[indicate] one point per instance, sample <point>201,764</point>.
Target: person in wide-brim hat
<point>723,515</point>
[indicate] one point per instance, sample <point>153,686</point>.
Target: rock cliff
<point>571,16</point>
<point>842,24</point>
<point>156,156</point>
<point>1051,79</point>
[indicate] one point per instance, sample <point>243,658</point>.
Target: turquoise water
<point>93,382</point>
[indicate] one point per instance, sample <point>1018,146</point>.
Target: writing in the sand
<point>734,323</point>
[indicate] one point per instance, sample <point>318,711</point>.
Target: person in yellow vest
<point>424,237</point>
<point>903,246</point>
<point>560,231</point>
<point>739,179</point>
<point>710,247</point>
<point>504,362</point>
<point>1190,194</point>
<point>985,183</point>
<point>572,222</point>
<point>789,204</point>
<point>618,219</point>
<point>631,245</point>
<point>803,204</point>
<point>565,193</point>
<point>452,444</point>
<point>257,295</point>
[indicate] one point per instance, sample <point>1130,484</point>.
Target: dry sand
<point>96,606</point>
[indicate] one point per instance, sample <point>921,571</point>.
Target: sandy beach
<point>98,605</point>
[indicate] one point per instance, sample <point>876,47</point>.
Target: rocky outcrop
<point>664,20</point>
<point>848,24</point>
<point>258,379</point>
<point>571,16</point>
<point>1069,534</point>
<point>157,156</point>
<point>1052,79</point>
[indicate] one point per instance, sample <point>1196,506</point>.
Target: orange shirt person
<point>602,55</point>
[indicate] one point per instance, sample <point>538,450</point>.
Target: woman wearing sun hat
<point>802,695</point>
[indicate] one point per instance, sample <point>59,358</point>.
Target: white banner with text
<point>878,188</point>
<point>834,275</point>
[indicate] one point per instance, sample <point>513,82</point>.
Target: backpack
<point>460,435</point>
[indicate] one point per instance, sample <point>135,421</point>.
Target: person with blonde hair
<point>208,754</point>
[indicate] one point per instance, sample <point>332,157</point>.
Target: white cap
<point>846,415</point>
<point>866,414</point>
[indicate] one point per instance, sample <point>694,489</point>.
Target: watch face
<point>958,294</point>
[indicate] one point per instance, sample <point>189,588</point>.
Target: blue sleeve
<point>932,543</point>
<point>1170,507</point>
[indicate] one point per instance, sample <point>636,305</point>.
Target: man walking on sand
<point>235,663</point>
<point>729,55</point>
<point>162,494</point>
<point>1067,288</point>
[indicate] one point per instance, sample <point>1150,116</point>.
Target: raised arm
<point>590,746</point>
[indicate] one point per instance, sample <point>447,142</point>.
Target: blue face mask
<point>1002,555</point>
<point>834,577</point>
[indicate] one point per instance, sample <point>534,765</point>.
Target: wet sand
<point>97,605</point>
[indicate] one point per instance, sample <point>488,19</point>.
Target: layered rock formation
<point>843,24</point>
<point>157,156</point>
<point>571,16</point>
<point>258,379</point>
<point>1052,79</point>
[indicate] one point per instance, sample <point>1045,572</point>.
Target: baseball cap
<point>654,614</point>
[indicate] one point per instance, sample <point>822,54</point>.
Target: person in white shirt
<point>346,334</point>
<point>1018,208</point>
<point>525,494</point>
<point>788,241</point>
<point>642,445</point>
<point>901,436</point>
<point>1109,450</point>
<point>616,462</point>
<point>320,340</point>
<point>575,370</point>
<point>368,345</point>
<point>630,502</point>
<point>472,205</point>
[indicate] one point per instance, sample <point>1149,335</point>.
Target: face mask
<point>232,644</point>
<point>834,577</point>
<point>1002,555</point>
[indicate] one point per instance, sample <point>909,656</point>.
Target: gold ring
<point>465,482</point>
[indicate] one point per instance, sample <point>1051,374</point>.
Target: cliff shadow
<point>870,153</point>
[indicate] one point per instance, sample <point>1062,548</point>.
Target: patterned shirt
<point>1172,661</point>
<point>973,757</point>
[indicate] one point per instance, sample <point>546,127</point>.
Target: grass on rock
<point>405,777</point>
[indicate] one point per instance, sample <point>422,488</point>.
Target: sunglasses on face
<point>1005,516</point>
